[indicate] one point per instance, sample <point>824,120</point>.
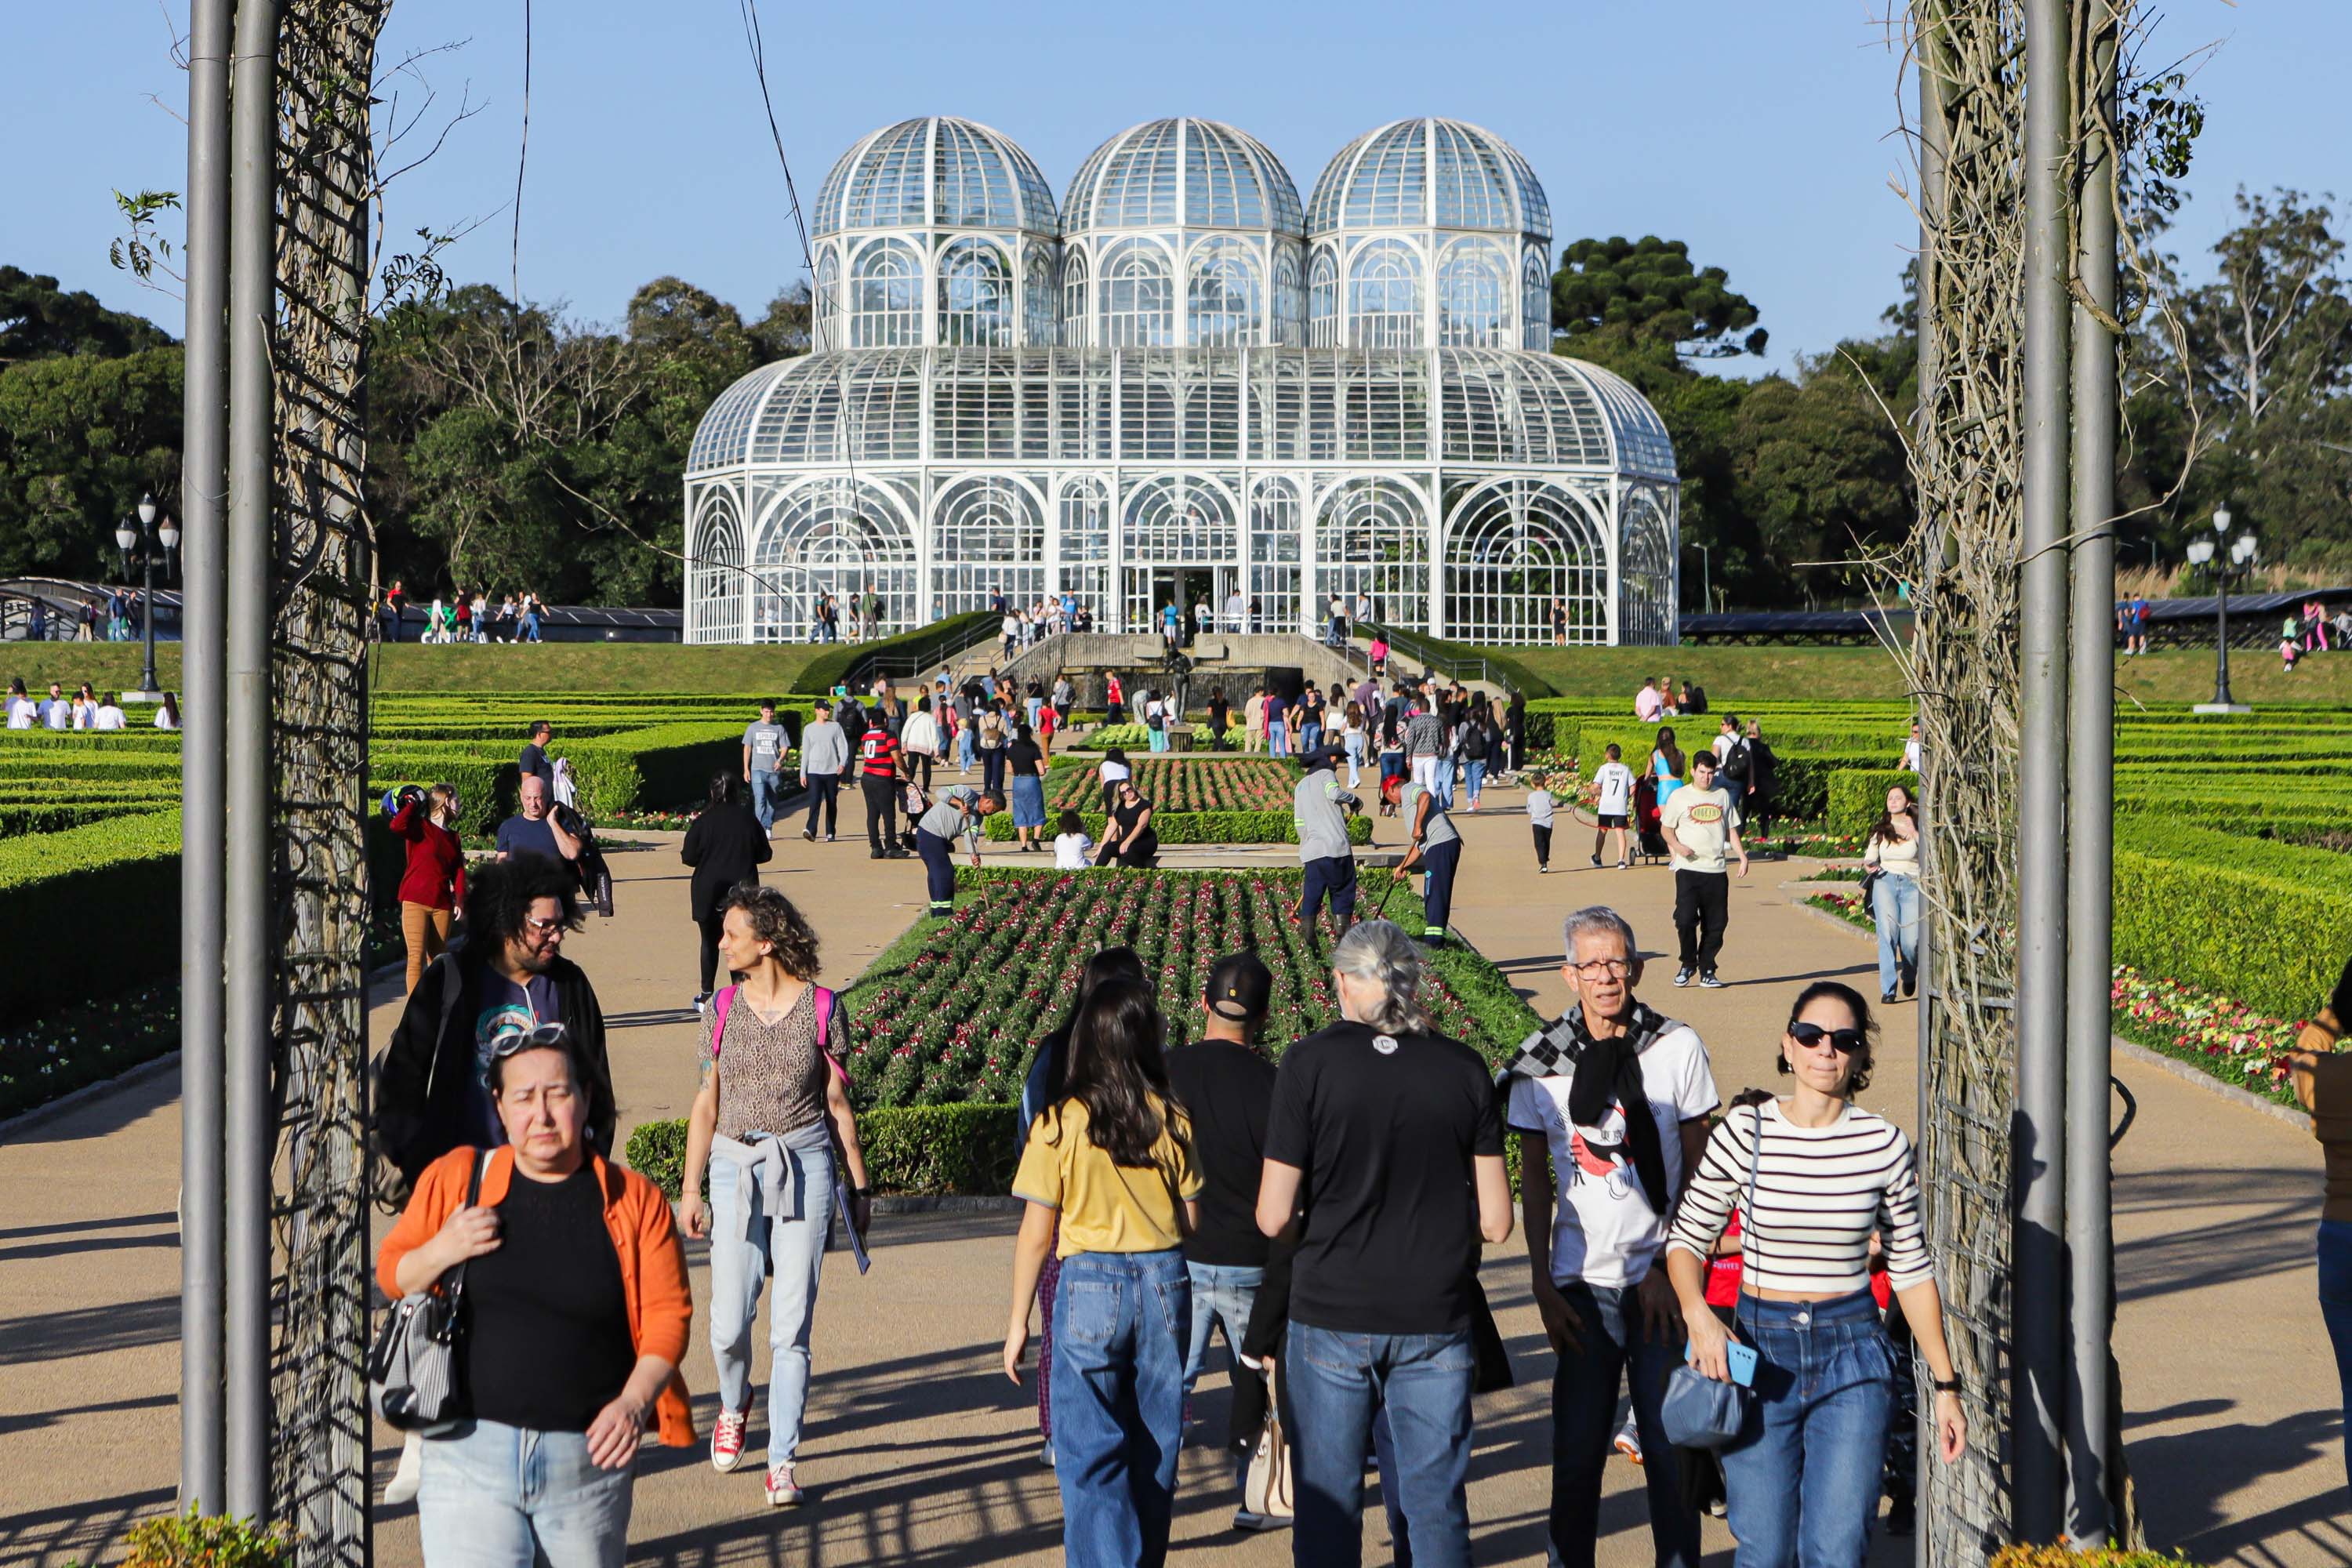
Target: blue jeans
<point>1355,758</point>
<point>494,1496</point>
<point>1222,1292</point>
<point>1441,781</point>
<point>1476,770</point>
<point>2335,1308</point>
<point>767,795</point>
<point>793,1244</point>
<point>1277,742</point>
<point>1584,1418</point>
<point>964,748</point>
<point>1804,1475</point>
<point>1894,905</point>
<point>1121,1320</point>
<point>1337,1384</point>
<point>1310,735</point>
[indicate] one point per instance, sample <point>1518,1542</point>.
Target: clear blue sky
<point>1761,133</point>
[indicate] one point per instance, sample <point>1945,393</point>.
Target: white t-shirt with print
<point>1604,1232</point>
<point>1703,819</point>
<point>1616,783</point>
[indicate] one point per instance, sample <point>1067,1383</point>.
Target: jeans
<point>1310,735</point>
<point>1804,1473</point>
<point>992,771</point>
<point>1121,1320</point>
<point>1441,780</point>
<point>1895,904</point>
<point>494,1496</point>
<point>1338,1382</point>
<point>1278,738</point>
<point>767,795</point>
<point>1702,904</point>
<point>964,748</point>
<point>1222,1292</point>
<point>1355,758</point>
<point>824,795</point>
<point>939,863</point>
<point>1477,772</point>
<point>792,1244</point>
<point>1584,1417</point>
<point>2335,1308</point>
<point>1437,888</point>
<point>1334,875</point>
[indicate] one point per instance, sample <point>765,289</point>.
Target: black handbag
<point>413,1368</point>
<point>1699,1412</point>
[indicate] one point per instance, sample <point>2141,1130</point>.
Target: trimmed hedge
<point>59,889</point>
<point>1193,826</point>
<point>2267,923</point>
<point>929,1149</point>
<point>1857,797</point>
<point>829,669</point>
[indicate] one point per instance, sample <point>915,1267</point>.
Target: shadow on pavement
<point>2260,1224</point>
<point>88,1331</point>
<point>2186,1480</point>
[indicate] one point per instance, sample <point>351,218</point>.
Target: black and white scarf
<point>1605,1070</point>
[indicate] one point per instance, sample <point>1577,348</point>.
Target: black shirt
<point>1025,756</point>
<point>534,760</point>
<point>1384,1140</point>
<point>548,1342</point>
<point>1228,1090</point>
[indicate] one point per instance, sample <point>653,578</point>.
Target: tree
<point>1646,291</point>
<point>82,436</point>
<point>39,320</point>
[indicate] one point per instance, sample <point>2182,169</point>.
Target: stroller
<point>1649,838</point>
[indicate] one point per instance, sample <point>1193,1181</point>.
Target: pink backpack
<point>725,1000</point>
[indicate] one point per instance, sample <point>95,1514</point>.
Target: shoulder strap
<point>482,1159</point>
<point>720,1003</point>
<point>1749,1246</point>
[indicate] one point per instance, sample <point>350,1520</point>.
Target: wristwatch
<point>1941,1386</point>
<point>868,1192</point>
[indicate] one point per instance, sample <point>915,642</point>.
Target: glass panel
<point>1473,283</point>
<point>1224,297</point>
<point>1139,296</point>
<point>886,296</point>
<point>1384,296</point>
<point>1271,602</point>
<point>975,294</point>
<point>1645,606</point>
<point>1323,299</point>
<point>834,536</point>
<point>1526,565</point>
<point>717,582</point>
<point>988,535</point>
<point>1372,537</point>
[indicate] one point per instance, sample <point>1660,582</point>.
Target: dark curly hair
<point>1857,1077</point>
<point>498,898</point>
<point>774,919</point>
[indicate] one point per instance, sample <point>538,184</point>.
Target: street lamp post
<point>145,536</point>
<point>2239,562</point>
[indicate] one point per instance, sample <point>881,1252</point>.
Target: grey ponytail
<point>1379,951</point>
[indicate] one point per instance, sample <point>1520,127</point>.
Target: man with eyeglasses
<point>1600,1286</point>
<point>505,985</point>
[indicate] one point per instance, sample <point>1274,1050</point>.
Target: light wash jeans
<point>964,748</point>
<point>1339,1383</point>
<point>1355,757</point>
<point>1120,1323</point>
<point>1222,1292</point>
<point>1476,770</point>
<point>1804,1475</point>
<point>795,1244</point>
<point>494,1496</point>
<point>767,795</point>
<point>1278,738</point>
<point>1894,905</point>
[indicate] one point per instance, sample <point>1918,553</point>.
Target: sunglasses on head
<point>515,1038</point>
<point>1845,1042</point>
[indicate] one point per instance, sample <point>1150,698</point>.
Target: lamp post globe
<point>144,536</point>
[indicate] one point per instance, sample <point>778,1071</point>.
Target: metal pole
<point>2039,1301</point>
<point>2090,844</point>
<point>250,947</point>
<point>2221,697</point>
<point>1931,219</point>
<point>147,603</point>
<point>203,479</point>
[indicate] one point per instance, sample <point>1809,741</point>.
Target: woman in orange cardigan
<point>574,1318</point>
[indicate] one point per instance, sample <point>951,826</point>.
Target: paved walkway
<point>917,1451</point>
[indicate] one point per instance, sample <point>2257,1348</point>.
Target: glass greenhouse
<point>1184,384</point>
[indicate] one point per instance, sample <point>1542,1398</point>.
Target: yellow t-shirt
<point>1106,1208</point>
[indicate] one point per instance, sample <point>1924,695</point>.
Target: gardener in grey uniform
<point>1320,807</point>
<point>959,808</point>
<point>1437,850</point>
<point>824,753</point>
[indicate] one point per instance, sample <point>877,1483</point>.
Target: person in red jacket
<point>434,885</point>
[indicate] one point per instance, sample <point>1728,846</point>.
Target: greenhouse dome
<point>1136,435</point>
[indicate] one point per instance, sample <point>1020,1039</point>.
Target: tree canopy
<point>39,319</point>
<point>1645,292</point>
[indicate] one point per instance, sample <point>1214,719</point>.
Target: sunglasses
<point>515,1038</point>
<point>1845,1042</point>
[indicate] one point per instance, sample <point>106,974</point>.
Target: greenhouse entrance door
<point>1149,588</point>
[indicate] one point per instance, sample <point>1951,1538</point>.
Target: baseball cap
<point>1241,987</point>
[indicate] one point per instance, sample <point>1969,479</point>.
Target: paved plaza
<point>918,1452</point>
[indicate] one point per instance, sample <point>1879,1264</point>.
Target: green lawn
<point>586,668</point>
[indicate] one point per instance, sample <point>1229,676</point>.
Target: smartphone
<point>1741,1361</point>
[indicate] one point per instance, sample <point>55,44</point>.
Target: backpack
<point>1474,744</point>
<point>1735,762</point>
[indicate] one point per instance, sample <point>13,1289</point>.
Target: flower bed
<point>2219,1034</point>
<point>1244,783</point>
<point>81,1043</point>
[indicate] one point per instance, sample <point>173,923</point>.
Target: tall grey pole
<point>1931,219</point>
<point>2090,841</point>
<point>2038,1298</point>
<point>203,481</point>
<point>250,926</point>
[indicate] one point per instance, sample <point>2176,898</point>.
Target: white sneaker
<point>405,1476</point>
<point>782,1491</point>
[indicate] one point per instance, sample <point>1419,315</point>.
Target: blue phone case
<point>1741,1361</point>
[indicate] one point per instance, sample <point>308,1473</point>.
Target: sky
<point>1762,133</point>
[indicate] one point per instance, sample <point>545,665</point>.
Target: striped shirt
<point>1819,1192</point>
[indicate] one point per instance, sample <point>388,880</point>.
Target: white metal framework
<point>1109,398</point>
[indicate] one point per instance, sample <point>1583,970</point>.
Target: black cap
<point>1241,987</point>
<point>1323,757</point>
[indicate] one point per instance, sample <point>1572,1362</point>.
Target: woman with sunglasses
<point>1804,1473</point>
<point>775,1110</point>
<point>1128,839</point>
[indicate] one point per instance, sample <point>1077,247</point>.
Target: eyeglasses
<point>533,924</point>
<point>518,1037</point>
<point>1599,967</point>
<point>1845,1042</point>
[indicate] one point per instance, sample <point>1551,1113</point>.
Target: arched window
<point>715,573</point>
<point>988,533</point>
<point>1037,297</point>
<point>1084,562</point>
<point>1519,553</point>
<point>1289,326</point>
<point>886,287</point>
<point>1074,298</point>
<point>975,294</point>
<point>828,300</point>
<point>1384,297</point>
<point>1535,303</point>
<point>1371,536</point>
<point>1272,599</point>
<point>1137,297</point>
<point>1473,281</point>
<point>1323,299</point>
<point>1224,305</point>
<point>836,537</point>
<point>1645,587</point>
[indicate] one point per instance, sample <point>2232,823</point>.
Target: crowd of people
<point>87,709</point>
<point>461,617</point>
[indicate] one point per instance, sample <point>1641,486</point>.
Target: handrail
<point>1454,666</point>
<point>903,660</point>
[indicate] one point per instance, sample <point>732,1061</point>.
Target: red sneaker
<point>726,1441</point>
<point>783,1493</point>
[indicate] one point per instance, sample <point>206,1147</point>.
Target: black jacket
<point>424,1078</point>
<point>725,845</point>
